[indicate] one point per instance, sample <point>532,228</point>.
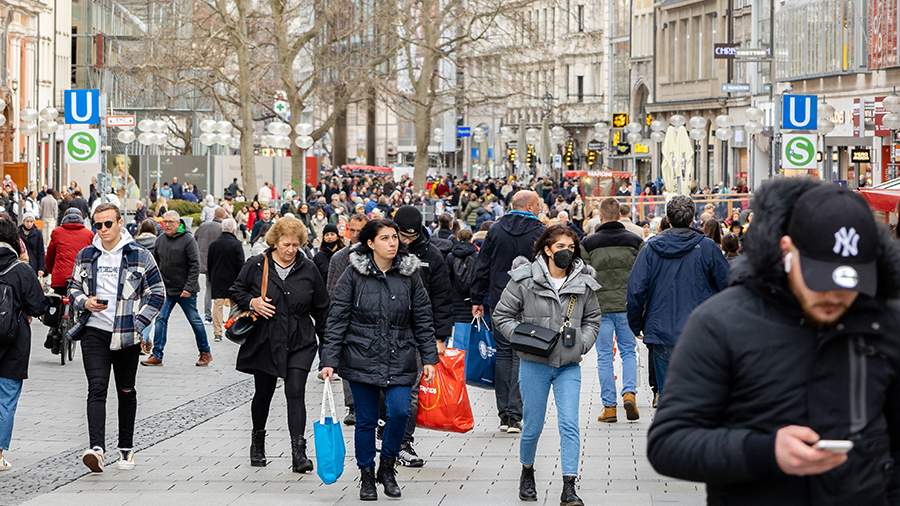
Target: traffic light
<point>511,154</point>
<point>591,157</point>
<point>569,154</point>
<point>529,155</point>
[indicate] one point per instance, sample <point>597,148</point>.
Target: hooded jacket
<point>30,301</point>
<point>530,298</point>
<point>749,363</point>
<point>34,244</point>
<point>178,259</point>
<point>147,240</point>
<point>611,251</point>
<point>224,260</point>
<point>206,233</point>
<point>436,278</point>
<point>140,298</point>
<point>379,323</point>
<point>462,253</point>
<point>66,241</point>
<point>512,236</point>
<point>673,274</point>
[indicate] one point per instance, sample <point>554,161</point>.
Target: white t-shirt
<point>557,282</point>
<point>108,266</point>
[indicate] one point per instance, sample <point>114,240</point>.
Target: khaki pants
<point>49,225</point>
<point>218,320</point>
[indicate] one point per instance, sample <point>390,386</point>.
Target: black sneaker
<point>408,456</point>
<point>504,424</point>
<point>515,427</point>
<point>350,418</point>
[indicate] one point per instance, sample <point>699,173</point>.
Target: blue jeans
<point>189,306</point>
<point>365,404</point>
<point>9,399</point>
<point>566,383</point>
<point>616,323</point>
<point>660,355</point>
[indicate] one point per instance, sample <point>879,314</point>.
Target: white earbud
<point>788,262</point>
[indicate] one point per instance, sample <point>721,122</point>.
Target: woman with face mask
<point>331,242</point>
<point>554,292</point>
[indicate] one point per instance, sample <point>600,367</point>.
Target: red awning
<point>368,169</point>
<point>881,200</point>
<point>597,173</point>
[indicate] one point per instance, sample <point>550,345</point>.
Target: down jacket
<point>611,251</point>
<point>529,297</point>
<point>748,363</point>
<point>377,322</point>
<point>66,241</point>
<point>30,301</point>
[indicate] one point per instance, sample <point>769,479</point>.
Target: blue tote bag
<point>478,342</point>
<point>330,451</point>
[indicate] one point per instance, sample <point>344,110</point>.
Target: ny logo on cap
<point>846,242</point>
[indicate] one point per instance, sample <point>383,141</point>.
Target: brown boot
<point>609,415</point>
<point>152,361</point>
<point>631,409</point>
<point>204,360</point>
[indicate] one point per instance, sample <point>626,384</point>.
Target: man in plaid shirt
<point>116,290</point>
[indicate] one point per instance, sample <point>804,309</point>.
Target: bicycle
<point>60,318</point>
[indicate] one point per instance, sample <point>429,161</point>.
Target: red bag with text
<point>444,401</point>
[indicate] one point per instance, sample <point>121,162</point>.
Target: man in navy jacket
<point>677,271</point>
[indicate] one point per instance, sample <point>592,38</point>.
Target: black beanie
<point>330,228</point>
<point>409,219</point>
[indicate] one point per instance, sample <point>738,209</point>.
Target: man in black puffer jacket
<point>436,278</point>
<point>801,348</point>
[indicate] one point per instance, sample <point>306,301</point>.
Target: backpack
<point>462,273</point>
<point>9,309</point>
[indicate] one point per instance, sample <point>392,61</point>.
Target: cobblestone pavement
<point>193,435</point>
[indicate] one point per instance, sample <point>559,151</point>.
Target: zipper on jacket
<point>858,367</point>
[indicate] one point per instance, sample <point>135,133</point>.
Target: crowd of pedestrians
<point>767,331</point>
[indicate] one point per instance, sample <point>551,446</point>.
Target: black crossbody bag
<point>537,340</point>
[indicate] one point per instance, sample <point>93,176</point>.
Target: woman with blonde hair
<point>283,344</point>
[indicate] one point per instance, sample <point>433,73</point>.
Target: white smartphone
<point>834,445</point>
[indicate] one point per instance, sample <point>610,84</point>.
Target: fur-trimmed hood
<point>761,266</point>
<point>404,263</point>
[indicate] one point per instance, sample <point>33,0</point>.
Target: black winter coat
<point>511,237</point>
<point>322,259</point>
<point>288,340</point>
<point>748,363</point>
<point>379,323</point>
<point>460,296</point>
<point>224,262</point>
<point>178,258</point>
<point>34,244</point>
<point>32,302</point>
<point>436,277</point>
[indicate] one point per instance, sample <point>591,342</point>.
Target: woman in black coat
<point>331,242</point>
<point>283,343</point>
<point>14,354</point>
<point>34,244</point>
<point>224,261</point>
<point>380,317</point>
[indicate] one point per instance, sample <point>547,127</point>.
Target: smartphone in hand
<point>834,445</point>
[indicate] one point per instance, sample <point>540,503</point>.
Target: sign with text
<point>860,155</point>
<point>121,120</point>
<point>725,51</point>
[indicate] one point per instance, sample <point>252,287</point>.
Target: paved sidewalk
<point>193,435</point>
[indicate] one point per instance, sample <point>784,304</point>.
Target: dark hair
<point>9,234</point>
<point>445,221</point>
<point>549,237</point>
<point>106,206</point>
<point>354,217</point>
<point>624,210</point>
<point>609,209</point>
<point>680,211</point>
<point>713,230</point>
<point>731,245</point>
<point>370,232</point>
<point>664,224</point>
<point>464,235</point>
<point>147,226</point>
<point>485,226</point>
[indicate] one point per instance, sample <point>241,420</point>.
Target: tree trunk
<point>245,80</point>
<point>371,118</point>
<point>423,134</point>
<point>340,133</point>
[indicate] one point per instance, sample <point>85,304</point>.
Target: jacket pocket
<point>131,288</point>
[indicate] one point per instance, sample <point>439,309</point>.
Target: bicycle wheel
<point>72,345</point>
<point>63,348</point>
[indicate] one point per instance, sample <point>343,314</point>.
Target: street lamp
<point>724,133</point>
<point>304,141</point>
<point>697,133</point>
<point>824,127</point>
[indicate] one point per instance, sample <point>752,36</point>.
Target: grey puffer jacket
<point>529,297</point>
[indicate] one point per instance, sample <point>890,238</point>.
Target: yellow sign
<point>616,138</point>
<point>619,120</point>
<point>641,148</point>
<point>649,119</point>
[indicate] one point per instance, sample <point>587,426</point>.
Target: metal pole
<point>303,171</point>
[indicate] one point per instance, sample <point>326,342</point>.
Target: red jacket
<point>65,243</point>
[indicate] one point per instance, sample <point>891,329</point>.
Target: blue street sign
<point>798,112</point>
<point>463,132</point>
<point>475,153</point>
<point>82,107</point>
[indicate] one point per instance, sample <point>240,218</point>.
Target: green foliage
<point>185,208</point>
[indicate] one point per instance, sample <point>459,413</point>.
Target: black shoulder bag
<point>537,340</point>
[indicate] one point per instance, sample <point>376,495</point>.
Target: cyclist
<point>66,241</point>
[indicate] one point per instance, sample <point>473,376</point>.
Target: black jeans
<point>506,378</point>
<point>294,392</point>
<point>98,359</point>
<point>651,371</point>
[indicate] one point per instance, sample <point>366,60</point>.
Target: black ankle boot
<point>301,464</point>
<point>387,476</point>
<point>569,497</point>
<point>258,448</point>
<point>367,489</point>
<point>527,488</point>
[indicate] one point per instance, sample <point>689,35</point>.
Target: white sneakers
<point>126,459</point>
<point>93,459</point>
<point>5,465</point>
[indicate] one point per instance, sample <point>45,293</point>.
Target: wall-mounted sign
<point>619,120</point>
<point>725,51</point>
<point>860,155</point>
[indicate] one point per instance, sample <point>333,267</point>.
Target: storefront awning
<point>881,199</point>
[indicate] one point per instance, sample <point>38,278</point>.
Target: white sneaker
<point>5,465</point>
<point>126,459</point>
<point>93,459</point>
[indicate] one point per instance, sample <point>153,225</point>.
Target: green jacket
<point>611,251</point>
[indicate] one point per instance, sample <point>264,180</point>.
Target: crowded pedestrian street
<point>191,433</point>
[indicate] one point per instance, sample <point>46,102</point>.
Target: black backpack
<point>9,309</point>
<point>462,273</point>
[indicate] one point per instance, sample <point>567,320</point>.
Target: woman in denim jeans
<point>543,293</point>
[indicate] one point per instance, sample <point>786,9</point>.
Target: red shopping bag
<point>444,401</point>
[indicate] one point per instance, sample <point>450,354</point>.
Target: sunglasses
<point>104,224</point>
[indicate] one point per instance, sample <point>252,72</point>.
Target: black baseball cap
<point>835,232</point>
